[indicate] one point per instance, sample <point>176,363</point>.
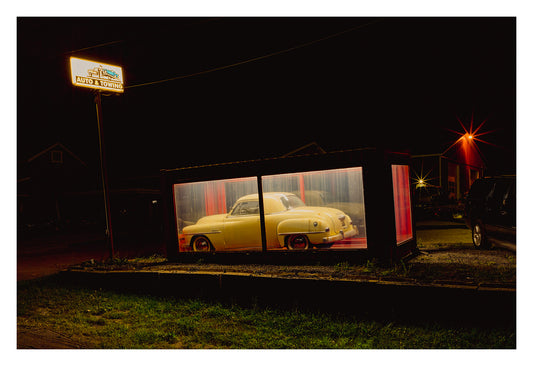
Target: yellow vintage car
<point>289,223</point>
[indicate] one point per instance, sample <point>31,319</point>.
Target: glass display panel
<point>402,203</point>
<point>317,209</point>
<point>220,215</point>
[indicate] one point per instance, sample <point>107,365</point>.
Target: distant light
<point>421,183</point>
<point>470,137</point>
<point>422,180</point>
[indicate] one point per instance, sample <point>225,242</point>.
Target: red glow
<point>402,203</point>
<point>302,187</point>
<point>469,150</point>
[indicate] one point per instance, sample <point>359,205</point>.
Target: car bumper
<point>338,237</point>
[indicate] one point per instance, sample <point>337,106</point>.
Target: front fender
<point>214,232</point>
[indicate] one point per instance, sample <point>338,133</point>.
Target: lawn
<point>105,319</point>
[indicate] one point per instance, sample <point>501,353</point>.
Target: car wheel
<point>297,242</point>
<point>201,244</point>
<point>478,236</point>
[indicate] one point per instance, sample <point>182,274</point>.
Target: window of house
<point>56,156</point>
<point>474,174</point>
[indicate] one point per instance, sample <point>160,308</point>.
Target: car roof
<point>483,186</point>
<point>255,196</point>
<point>498,177</point>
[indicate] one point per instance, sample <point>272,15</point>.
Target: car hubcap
<point>298,242</point>
<point>477,235</point>
<point>201,245</point>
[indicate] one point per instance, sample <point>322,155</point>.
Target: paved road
<point>431,233</point>
<point>49,254</point>
<point>435,234</point>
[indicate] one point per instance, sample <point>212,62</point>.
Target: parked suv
<point>490,211</point>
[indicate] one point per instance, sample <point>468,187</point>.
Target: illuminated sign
<point>96,75</point>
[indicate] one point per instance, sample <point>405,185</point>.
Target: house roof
<point>57,145</point>
<point>311,147</point>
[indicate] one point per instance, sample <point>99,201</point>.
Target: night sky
<point>341,82</point>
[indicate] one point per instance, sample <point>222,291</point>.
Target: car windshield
<point>291,201</point>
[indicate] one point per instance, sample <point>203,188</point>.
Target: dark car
<point>432,202</point>
<point>490,211</point>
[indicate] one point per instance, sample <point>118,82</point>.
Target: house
<point>57,190</point>
<point>443,179</point>
<point>42,183</point>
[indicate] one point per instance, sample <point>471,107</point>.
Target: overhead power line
<point>145,37</point>
<point>95,46</point>
<point>255,58</point>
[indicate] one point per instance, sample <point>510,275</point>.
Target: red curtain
<point>402,203</point>
<point>215,198</point>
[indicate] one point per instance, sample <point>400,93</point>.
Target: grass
<point>104,319</point>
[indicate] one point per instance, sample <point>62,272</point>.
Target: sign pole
<point>103,172</point>
<point>99,76</point>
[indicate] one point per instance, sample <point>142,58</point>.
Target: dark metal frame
<point>377,184</point>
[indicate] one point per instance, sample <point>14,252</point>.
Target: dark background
<point>401,83</point>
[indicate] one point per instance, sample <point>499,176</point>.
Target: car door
<point>242,228</point>
<point>505,225</point>
<point>271,229</point>
<point>501,210</point>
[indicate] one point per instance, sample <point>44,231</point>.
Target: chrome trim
<point>340,236</point>
<point>303,232</point>
<point>205,233</point>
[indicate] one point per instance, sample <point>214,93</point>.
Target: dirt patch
<point>451,263</point>
<point>31,337</point>
<point>489,268</point>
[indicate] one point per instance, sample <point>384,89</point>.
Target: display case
<point>328,212</point>
<point>344,201</point>
<point>306,210</point>
<point>219,215</point>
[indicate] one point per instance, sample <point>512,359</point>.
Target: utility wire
<point>255,58</point>
<point>95,46</point>
<point>209,20</point>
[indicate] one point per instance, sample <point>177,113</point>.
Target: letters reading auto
<point>96,75</point>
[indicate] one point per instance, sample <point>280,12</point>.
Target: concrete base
<point>483,306</point>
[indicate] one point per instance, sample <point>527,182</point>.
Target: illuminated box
<point>344,201</point>
<point>96,75</point>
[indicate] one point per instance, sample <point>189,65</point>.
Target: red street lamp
<point>470,135</point>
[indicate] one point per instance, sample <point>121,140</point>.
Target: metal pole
<point>261,214</point>
<point>103,172</point>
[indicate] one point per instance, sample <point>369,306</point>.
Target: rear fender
<point>304,226</point>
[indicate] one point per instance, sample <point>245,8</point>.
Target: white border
<point>520,9</point>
